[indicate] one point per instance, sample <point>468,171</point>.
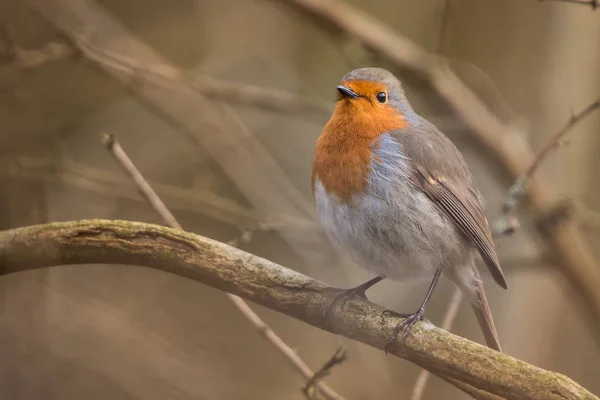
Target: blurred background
<point>165,78</point>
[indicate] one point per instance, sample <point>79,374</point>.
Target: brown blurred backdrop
<point>119,332</point>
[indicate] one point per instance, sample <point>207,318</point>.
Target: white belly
<point>399,238</point>
<point>393,229</point>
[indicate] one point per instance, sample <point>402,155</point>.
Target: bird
<point>396,195</point>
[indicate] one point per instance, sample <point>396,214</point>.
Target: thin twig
<point>593,3</point>
<point>447,323</point>
<point>337,358</point>
<point>585,217</point>
<point>555,140</point>
<point>31,58</point>
<point>568,209</point>
<point>50,52</point>
<point>517,190</point>
<point>265,330</point>
<point>117,151</point>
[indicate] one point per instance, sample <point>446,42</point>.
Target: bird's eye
<point>381,97</point>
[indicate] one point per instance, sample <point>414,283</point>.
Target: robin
<point>394,193</point>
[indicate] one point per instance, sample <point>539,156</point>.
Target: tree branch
<point>337,358</point>
<point>280,289</point>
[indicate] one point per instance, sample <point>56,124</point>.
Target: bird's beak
<point>347,92</point>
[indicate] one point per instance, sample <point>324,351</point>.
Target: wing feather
<point>467,215</point>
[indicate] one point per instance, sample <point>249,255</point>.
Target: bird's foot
<point>343,297</point>
<point>409,321</point>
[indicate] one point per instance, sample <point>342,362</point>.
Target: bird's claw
<point>408,322</point>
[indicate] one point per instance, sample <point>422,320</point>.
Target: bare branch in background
<point>98,181</point>
<point>507,223</point>
<point>518,189</point>
<point>7,44</point>
<point>280,289</point>
<point>593,3</point>
<point>233,92</point>
<point>110,142</point>
<point>572,210</point>
<point>566,241</point>
<point>265,330</point>
<point>337,358</point>
<point>261,97</point>
<point>585,217</point>
<point>52,51</point>
<point>30,58</point>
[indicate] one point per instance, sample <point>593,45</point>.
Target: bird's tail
<point>484,314</point>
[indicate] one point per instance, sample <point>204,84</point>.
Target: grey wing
<point>466,212</point>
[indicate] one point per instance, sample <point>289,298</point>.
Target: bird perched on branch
<point>394,193</point>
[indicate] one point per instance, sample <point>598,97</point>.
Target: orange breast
<point>345,148</point>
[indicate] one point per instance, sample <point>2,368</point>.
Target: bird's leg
<point>411,319</point>
<point>347,294</point>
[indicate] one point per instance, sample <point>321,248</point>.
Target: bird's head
<point>374,87</point>
<point>373,98</point>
